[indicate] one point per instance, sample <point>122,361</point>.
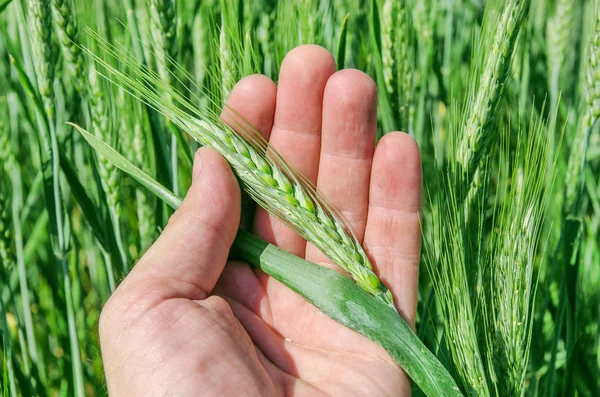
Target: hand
<point>186,323</point>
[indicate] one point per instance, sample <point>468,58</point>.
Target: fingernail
<point>197,169</point>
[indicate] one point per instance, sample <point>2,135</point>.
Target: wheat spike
<point>476,135</point>
<point>577,159</point>
<point>41,23</point>
<point>67,31</point>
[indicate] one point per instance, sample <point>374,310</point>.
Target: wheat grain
<point>41,23</point>
<point>225,56</point>
<point>512,261</point>
<point>404,70</point>
<point>265,177</point>
<point>109,174</point>
<point>457,267</point>
<point>387,42</point>
<point>144,201</point>
<point>577,159</point>
<point>476,135</point>
<point>67,30</point>
<point>101,126</point>
<point>559,35</point>
<point>592,89</point>
<point>446,259</point>
<point>164,31</point>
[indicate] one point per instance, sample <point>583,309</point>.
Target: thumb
<point>192,250</point>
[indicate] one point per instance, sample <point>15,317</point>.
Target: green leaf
<point>332,293</point>
<point>30,90</point>
<point>4,4</point>
<point>89,210</point>
<point>125,165</point>
<point>341,50</point>
<point>386,113</point>
<point>376,25</point>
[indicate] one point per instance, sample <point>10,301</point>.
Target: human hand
<point>185,322</point>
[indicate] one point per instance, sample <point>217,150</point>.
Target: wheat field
<point>502,97</point>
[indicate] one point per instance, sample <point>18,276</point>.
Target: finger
<point>393,233</point>
<point>191,252</point>
<point>347,146</point>
<point>250,108</point>
<point>296,131</point>
<point>252,101</point>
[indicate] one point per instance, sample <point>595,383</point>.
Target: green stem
<point>109,271</point>
<point>8,352</point>
<point>116,225</point>
<point>73,341</point>
<point>23,285</point>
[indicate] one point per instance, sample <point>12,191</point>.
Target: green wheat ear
<point>272,183</point>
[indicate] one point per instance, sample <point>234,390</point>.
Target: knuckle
<point>219,307</point>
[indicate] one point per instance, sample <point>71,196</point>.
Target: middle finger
<point>347,146</point>
<point>296,133</point>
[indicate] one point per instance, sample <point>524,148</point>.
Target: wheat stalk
<point>446,257</point>
<point>559,35</point>
<point>404,70</point>
<point>592,89</point>
<point>109,174</point>
<point>67,30</point>
<point>476,135</point>
<point>511,260</point>
<point>101,127</point>
<point>6,163</point>
<point>41,23</point>
<point>227,52</point>
<point>7,256</point>
<point>457,264</point>
<point>164,31</point>
<point>263,174</point>
<point>6,157</point>
<point>577,158</point>
<point>144,201</point>
<point>389,10</point>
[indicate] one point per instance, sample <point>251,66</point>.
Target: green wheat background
<point>502,96</point>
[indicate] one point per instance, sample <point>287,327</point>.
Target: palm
<point>178,326</point>
<point>303,350</point>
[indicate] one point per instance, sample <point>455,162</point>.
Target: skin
<point>187,322</point>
